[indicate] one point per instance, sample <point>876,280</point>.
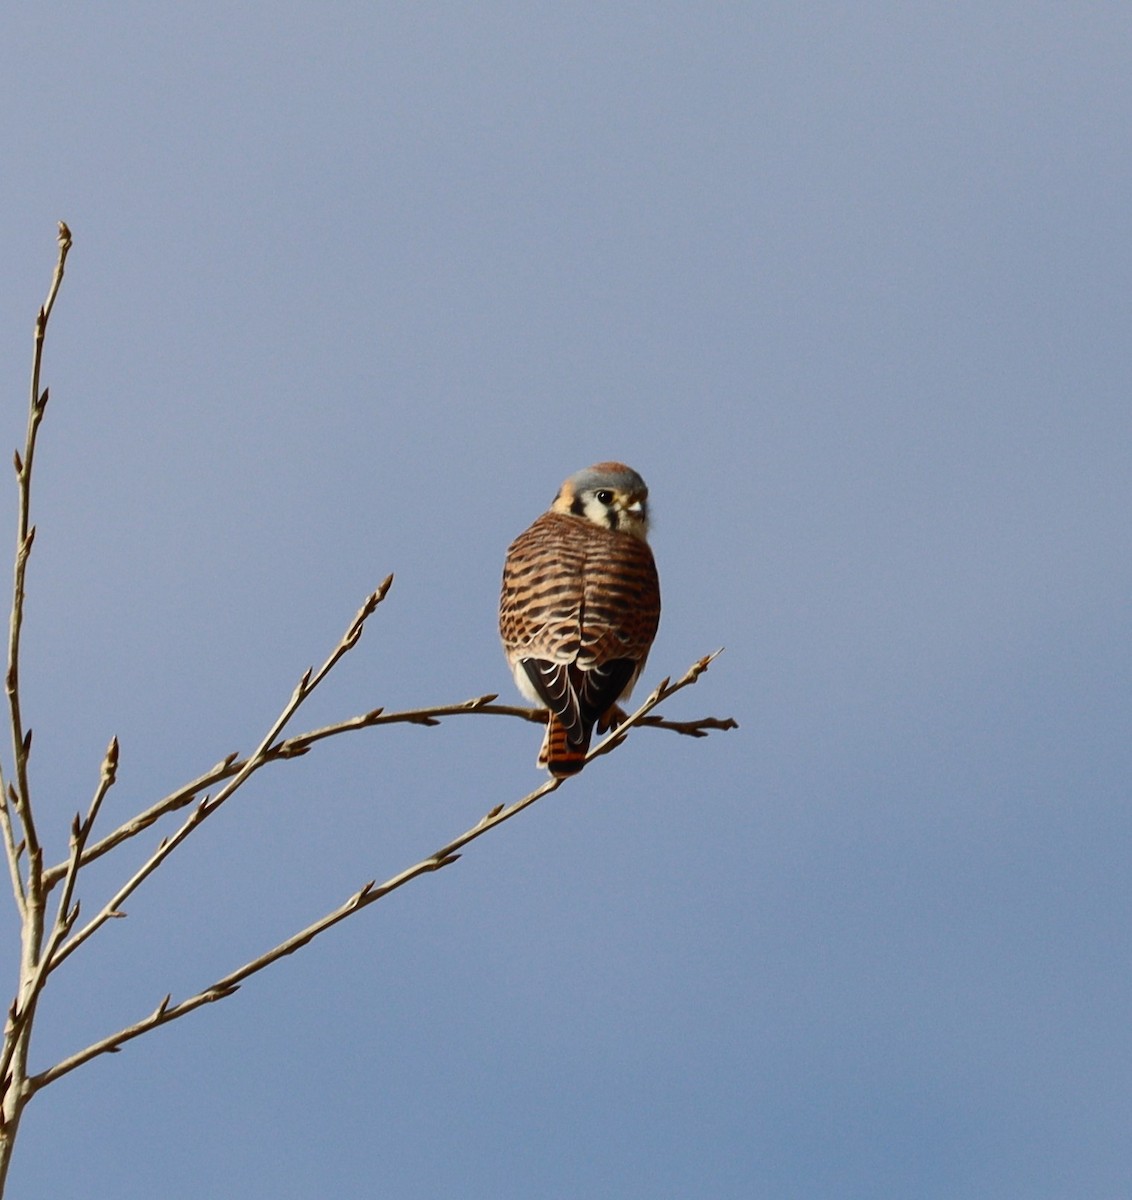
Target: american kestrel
<point>580,607</point>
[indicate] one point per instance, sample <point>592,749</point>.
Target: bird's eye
<point>605,496</point>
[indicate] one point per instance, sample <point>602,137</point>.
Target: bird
<point>580,606</point>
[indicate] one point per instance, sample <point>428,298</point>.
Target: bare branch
<point>23,1008</point>
<point>206,807</point>
<point>113,907</point>
<point>179,799</point>
<point>369,894</point>
<point>15,794</point>
<point>300,743</point>
<point>658,695</point>
<point>21,741</point>
<point>64,240</point>
<point>25,535</point>
<point>12,850</point>
<point>698,729</point>
<point>45,946</point>
<point>66,916</point>
<point>106,779</point>
<point>232,767</point>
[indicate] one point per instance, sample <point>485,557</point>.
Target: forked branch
<point>45,945</point>
<point>370,893</point>
<point>301,743</point>
<point>17,792</point>
<point>208,805</point>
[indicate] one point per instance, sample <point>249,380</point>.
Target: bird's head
<point>609,494</point>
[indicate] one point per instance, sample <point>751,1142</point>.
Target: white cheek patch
<point>598,513</point>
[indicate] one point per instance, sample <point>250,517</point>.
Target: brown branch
<point>206,807</point>
<point>698,728</point>
<point>66,915</point>
<point>12,850</point>
<point>113,907</point>
<point>15,793</point>
<point>19,793</point>
<point>301,743</point>
<point>232,765</point>
<point>658,695</point>
<point>370,893</point>
<point>22,1010</point>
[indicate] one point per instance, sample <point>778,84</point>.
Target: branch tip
<point>698,668</point>
<point>365,612</point>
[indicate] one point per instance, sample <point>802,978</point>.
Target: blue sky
<point>353,288</point>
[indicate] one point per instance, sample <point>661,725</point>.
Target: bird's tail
<point>559,755</point>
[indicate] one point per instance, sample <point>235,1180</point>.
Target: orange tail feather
<point>558,754</point>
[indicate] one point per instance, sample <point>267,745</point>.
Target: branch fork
<point>45,944</point>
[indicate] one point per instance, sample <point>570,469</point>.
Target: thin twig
<point>29,893</point>
<point>301,743</point>
<point>21,741</point>
<point>12,850</point>
<point>113,907</point>
<point>369,894</point>
<point>66,916</point>
<point>658,695</point>
<point>179,799</point>
<point>206,807</point>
